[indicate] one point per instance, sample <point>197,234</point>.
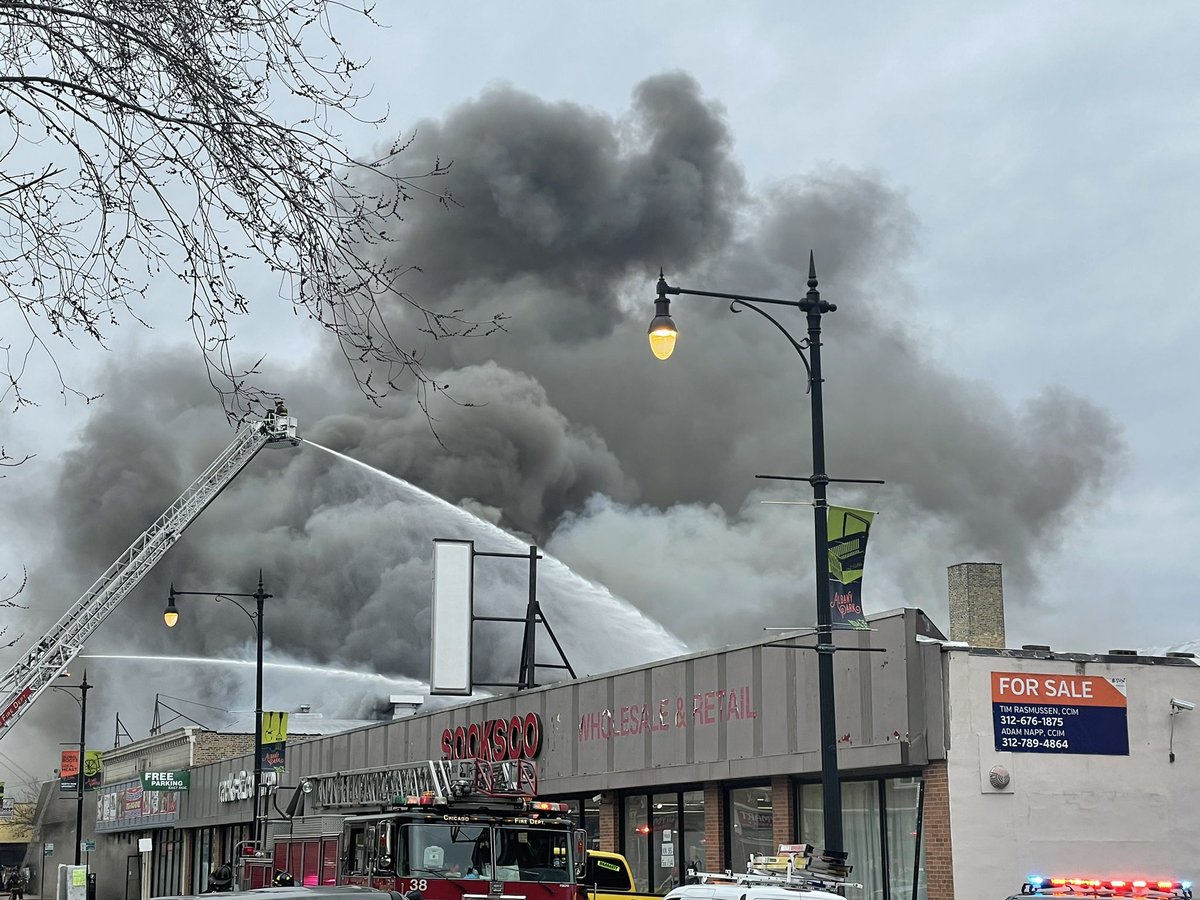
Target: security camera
<point>1176,703</point>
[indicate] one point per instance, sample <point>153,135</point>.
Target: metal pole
<point>916,880</point>
<point>83,689</point>
<point>259,597</point>
<point>831,788</point>
<point>528,677</point>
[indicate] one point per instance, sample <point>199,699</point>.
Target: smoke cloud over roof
<point>566,432</point>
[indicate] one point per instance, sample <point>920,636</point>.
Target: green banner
<point>166,781</point>
<point>848,530</point>
<point>93,769</point>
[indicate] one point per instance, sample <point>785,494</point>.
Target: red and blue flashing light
<point>1039,885</point>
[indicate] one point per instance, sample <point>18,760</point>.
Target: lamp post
<point>663,334</point>
<point>171,617</point>
<point>83,687</point>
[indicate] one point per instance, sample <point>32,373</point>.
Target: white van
<point>728,891</point>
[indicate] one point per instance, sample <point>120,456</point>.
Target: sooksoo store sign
<point>517,738</point>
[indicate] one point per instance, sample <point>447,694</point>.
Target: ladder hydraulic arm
<point>36,669</point>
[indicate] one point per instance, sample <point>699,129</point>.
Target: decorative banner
<point>1038,713</point>
<point>847,542</point>
<point>68,771</point>
<point>166,781</point>
<point>93,769</point>
<point>274,741</point>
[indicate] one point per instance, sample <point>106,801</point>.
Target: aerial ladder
<point>35,670</point>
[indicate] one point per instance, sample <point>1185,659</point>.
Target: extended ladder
<point>36,669</point>
<point>427,782</point>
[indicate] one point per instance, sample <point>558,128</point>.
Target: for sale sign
<point>1043,713</point>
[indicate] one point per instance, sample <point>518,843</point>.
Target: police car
<point>1074,886</point>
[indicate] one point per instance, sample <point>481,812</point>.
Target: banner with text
<point>847,542</point>
<point>68,771</point>
<point>1040,713</point>
<point>274,741</point>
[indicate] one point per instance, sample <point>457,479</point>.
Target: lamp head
<point>171,613</point>
<point>662,331</point>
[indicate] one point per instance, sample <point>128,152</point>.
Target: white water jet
<point>599,631</point>
<point>397,681</point>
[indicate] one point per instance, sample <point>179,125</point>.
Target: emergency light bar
<point>1150,888</point>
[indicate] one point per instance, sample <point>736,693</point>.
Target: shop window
<point>692,841</point>
<point>750,823</point>
<point>636,844</point>
<point>901,799</point>
<point>663,834</point>
<point>879,821</point>
<point>664,842</point>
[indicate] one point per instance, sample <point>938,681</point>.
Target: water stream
<point>569,600</point>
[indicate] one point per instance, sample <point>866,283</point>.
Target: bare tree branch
<point>158,150</point>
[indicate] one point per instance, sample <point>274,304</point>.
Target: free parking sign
<point>1044,713</point>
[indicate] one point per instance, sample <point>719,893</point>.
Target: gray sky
<point>1002,203</point>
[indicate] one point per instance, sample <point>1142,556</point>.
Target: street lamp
<point>171,618</point>
<point>83,688</point>
<point>663,335</point>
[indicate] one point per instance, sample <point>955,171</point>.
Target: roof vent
<point>1179,654</point>
<point>1045,648</point>
<point>1122,653</point>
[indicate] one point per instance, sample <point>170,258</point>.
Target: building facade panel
<point>1087,813</point>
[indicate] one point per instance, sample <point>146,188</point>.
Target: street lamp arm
<point>800,346</point>
<point>664,288</point>
<point>220,595</point>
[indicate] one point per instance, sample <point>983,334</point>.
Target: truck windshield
<point>533,854</point>
<point>448,851</point>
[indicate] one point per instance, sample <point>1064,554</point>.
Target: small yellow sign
<point>274,727</point>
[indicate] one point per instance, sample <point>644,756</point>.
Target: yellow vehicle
<point>607,876</point>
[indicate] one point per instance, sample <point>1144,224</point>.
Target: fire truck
<point>467,829</point>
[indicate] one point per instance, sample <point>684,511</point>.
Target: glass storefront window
<point>664,842</point>
<point>663,835</point>
<point>812,815</point>
<point>901,797</point>
<point>637,826</point>
<point>863,835</point>
<point>869,830</point>
<point>751,822</point>
<point>692,841</point>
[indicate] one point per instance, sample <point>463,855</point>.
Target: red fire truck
<point>466,829</point>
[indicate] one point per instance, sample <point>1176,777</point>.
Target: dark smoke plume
<point>639,474</point>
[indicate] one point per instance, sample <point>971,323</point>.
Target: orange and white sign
<point>1066,690</point>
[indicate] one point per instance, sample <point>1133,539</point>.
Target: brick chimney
<point>977,604</point>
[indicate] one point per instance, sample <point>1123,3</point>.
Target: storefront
<point>965,766</point>
<point>697,761</point>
